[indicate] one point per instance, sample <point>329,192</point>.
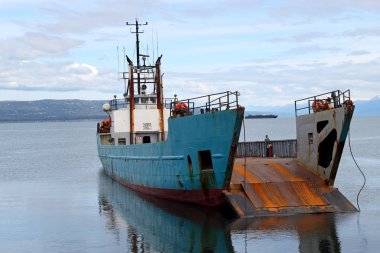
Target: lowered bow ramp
<point>281,186</point>
<point>272,186</point>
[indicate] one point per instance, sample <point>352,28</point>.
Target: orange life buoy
<point>181,106</point>
<point>319,105</point>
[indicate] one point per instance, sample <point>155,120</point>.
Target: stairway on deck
<point>277,186</point>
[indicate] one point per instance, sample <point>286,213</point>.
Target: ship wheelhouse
<point>140,117</point>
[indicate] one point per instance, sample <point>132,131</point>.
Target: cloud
<point>311,50</point>
<point>359,52</point>
<point>96,15</point>
<point>85,72</point>
<point>312,10</point>
<point>36,45</point>
<point>271,51</point>
<point>55,76</point>
<point>363,32</point>
<point>279,83</point>
<point>301,38</point>
<point>205,10</point>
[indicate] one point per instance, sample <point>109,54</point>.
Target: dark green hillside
<point>51,110</point>
<point>75,109</point>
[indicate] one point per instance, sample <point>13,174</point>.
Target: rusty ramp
<point>280,186</point>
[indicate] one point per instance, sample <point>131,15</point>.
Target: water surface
<point>54,198</point>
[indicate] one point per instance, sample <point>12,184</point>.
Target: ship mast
<point>150,74</point>
<point>137,32</point>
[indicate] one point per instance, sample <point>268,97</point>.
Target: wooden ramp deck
<point>280,186</point>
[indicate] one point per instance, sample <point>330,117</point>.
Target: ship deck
<point>280,186</point>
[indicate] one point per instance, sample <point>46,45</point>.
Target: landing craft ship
<point>177,149</point>
<point>185,149</point>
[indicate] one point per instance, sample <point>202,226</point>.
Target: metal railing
<point>124,102</point>
<point>333,99</point>
<point>281,148</point>
<point>205,104</point>
<point>198,105</point>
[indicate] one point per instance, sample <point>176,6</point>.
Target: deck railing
<point>334,99</point>
<point>208,103</point>
<point>205,104</point>
<point>117,103</point>
<point>124,102</point>
<point>281,148</point>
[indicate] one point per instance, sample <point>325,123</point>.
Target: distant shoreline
<point>49,120</point>
<point>101,118</point>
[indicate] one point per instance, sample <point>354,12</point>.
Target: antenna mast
<point>137,32</point>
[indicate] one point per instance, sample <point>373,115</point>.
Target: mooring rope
<point>245,154</point>
<point>245,179</point>
<point>361,171</point>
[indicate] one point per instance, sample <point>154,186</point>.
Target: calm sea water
<point>53,198</point>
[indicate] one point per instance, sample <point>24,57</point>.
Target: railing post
<point>228,100</point>
<point>171,108</point>
<point>209,106</point>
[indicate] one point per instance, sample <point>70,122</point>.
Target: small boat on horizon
<point>261,116</point>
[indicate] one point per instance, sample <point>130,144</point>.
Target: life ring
<point>319,105</point>
<point>181,106</point>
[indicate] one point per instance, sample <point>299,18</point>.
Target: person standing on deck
<point>334,99</point>
<point>267,143</point>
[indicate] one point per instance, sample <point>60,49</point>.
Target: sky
<point>272,52</point>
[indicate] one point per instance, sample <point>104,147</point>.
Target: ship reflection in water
<point>154,225</point>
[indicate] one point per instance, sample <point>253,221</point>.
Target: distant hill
<point>51,110</point>
<point>60,110</point>
<point>368,107</point>
<point>362,108</point>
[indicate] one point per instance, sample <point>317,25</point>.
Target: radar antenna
<point>137,32</point>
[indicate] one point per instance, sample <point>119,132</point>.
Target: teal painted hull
<point>179,168</point>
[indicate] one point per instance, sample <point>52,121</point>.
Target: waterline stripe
<point>170,157</point>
